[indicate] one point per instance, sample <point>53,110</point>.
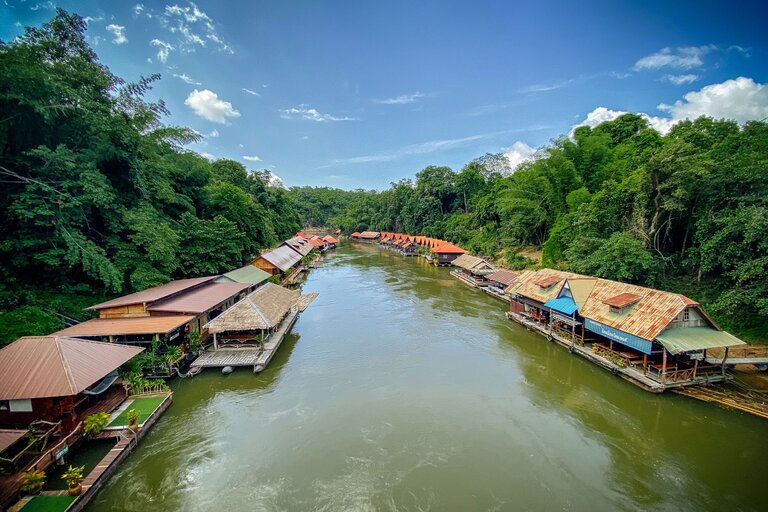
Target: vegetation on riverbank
<point>99,197</point>
<point>686,212</point>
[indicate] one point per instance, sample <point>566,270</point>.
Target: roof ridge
<point>65,364</point>
<point>257,310</point>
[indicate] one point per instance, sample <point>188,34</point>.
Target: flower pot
<point>75,491</point>
<point>134,426</point>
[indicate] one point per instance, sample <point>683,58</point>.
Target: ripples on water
<point>403,389</point>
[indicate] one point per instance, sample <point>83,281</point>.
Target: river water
<point>401,388</point>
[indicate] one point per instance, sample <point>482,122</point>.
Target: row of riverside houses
<point>49,385</point>
<point>655,339</point>
<point>435,250</point>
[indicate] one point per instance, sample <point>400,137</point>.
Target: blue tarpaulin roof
<point>563,305</point>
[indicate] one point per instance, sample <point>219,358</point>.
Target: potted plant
<point>94,424</point>
<point>133,420</point>
<point>74,478</point>
<point>33,481</point>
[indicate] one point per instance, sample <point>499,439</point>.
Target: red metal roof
<point>448,248</point>
<point>355,234</point>
<point>126,326</point>
<point>200,299</point>
<point>330,239</point>
<point>49,366</point>
<point>156,293</point>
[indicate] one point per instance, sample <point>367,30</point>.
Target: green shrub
<point>95,423</point>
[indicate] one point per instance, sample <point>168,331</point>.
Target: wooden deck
<point>226,356</point>
<point>256,358</point>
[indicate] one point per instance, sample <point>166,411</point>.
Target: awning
<point>9,437</point>
<point>687,339</point>
<point>564,305</point>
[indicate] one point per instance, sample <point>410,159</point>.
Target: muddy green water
<point>403,389</point>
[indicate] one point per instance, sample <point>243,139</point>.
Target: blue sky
<point>360,94</point>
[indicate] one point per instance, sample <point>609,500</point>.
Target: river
<point>401,388</point>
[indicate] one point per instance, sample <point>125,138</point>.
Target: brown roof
<point>8,437</point>
<point>201,299</point>
<point>543,284</point>
<point>49,366</point>
<point>260,310</point>
<point>622,300</point>
<point>156,293</point>
<point>505,277</point>
<point>330,239</point>
<point>317,241</point>
<point>369,234</point>
<point>356,233</point>
<point>650,314</point>
<point>126,326</point>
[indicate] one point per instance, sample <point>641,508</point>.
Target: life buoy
<point>615,371</point>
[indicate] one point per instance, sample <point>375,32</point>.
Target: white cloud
<point>550,87</point>
<point>311,114</point>
<point>403,99</point>
<point>306,137</point>
<point>680,79</point>
<point>214,133</point>
<point>518,153</point>
<point>163,49</point>
<point>741,99</point>
<point>207,155</point>
<point>92,19</point>
<point>603,114</point>
<point>207,105</point>
<point>194,27</point>
<point>119,32</point>
<point>137,9</point>
<point>186,79</point>
<point>252,158</point>
<point>685,57</point>
<point>253,93</point>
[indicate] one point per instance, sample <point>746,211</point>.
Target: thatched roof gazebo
<point>261,311</point>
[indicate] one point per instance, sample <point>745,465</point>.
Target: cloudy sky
<point>358,94</point>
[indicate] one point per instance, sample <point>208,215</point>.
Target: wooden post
<point>645,364</point>
<point>664,366</point>
<point>111,339</point>
<point>695,367</point>
<point>215,342</point>
<point>725,356</point>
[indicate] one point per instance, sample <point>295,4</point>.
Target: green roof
<point>686,339</point>
<point>247,274</point>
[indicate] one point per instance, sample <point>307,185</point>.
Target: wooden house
<point>531,291</point>
<point>472,270</point>
<point>59,379</point>
<point>355,235</point>
<point>318,243</point>
<point>445,253</point>
<point>330,241</point>
<point>278,261</point>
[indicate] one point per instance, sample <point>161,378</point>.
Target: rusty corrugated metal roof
<point>126,326</point>
<point>650,315</point>
<point>622,300</point>
<point>156,293</point>
<point>370,235</point>
<point>199,300</point>
<point>473,264</point>
<point>283,257</point>
<point>505,277</point>
<point>299,244</point>
<point>543,284</point>
<point>50,366</point>
<point>330,239</point>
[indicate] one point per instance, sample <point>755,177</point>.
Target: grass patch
<point>144,406</point>
<point>48,503</point>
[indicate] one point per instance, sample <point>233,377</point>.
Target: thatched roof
<point>261,310</point>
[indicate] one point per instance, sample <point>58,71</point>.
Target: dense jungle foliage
<point>98,196</point>
<point>686,212</point>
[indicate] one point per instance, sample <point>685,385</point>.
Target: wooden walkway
<point>730,398</point>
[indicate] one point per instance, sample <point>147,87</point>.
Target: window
<point>20,405</point>
<point>686,315</point>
